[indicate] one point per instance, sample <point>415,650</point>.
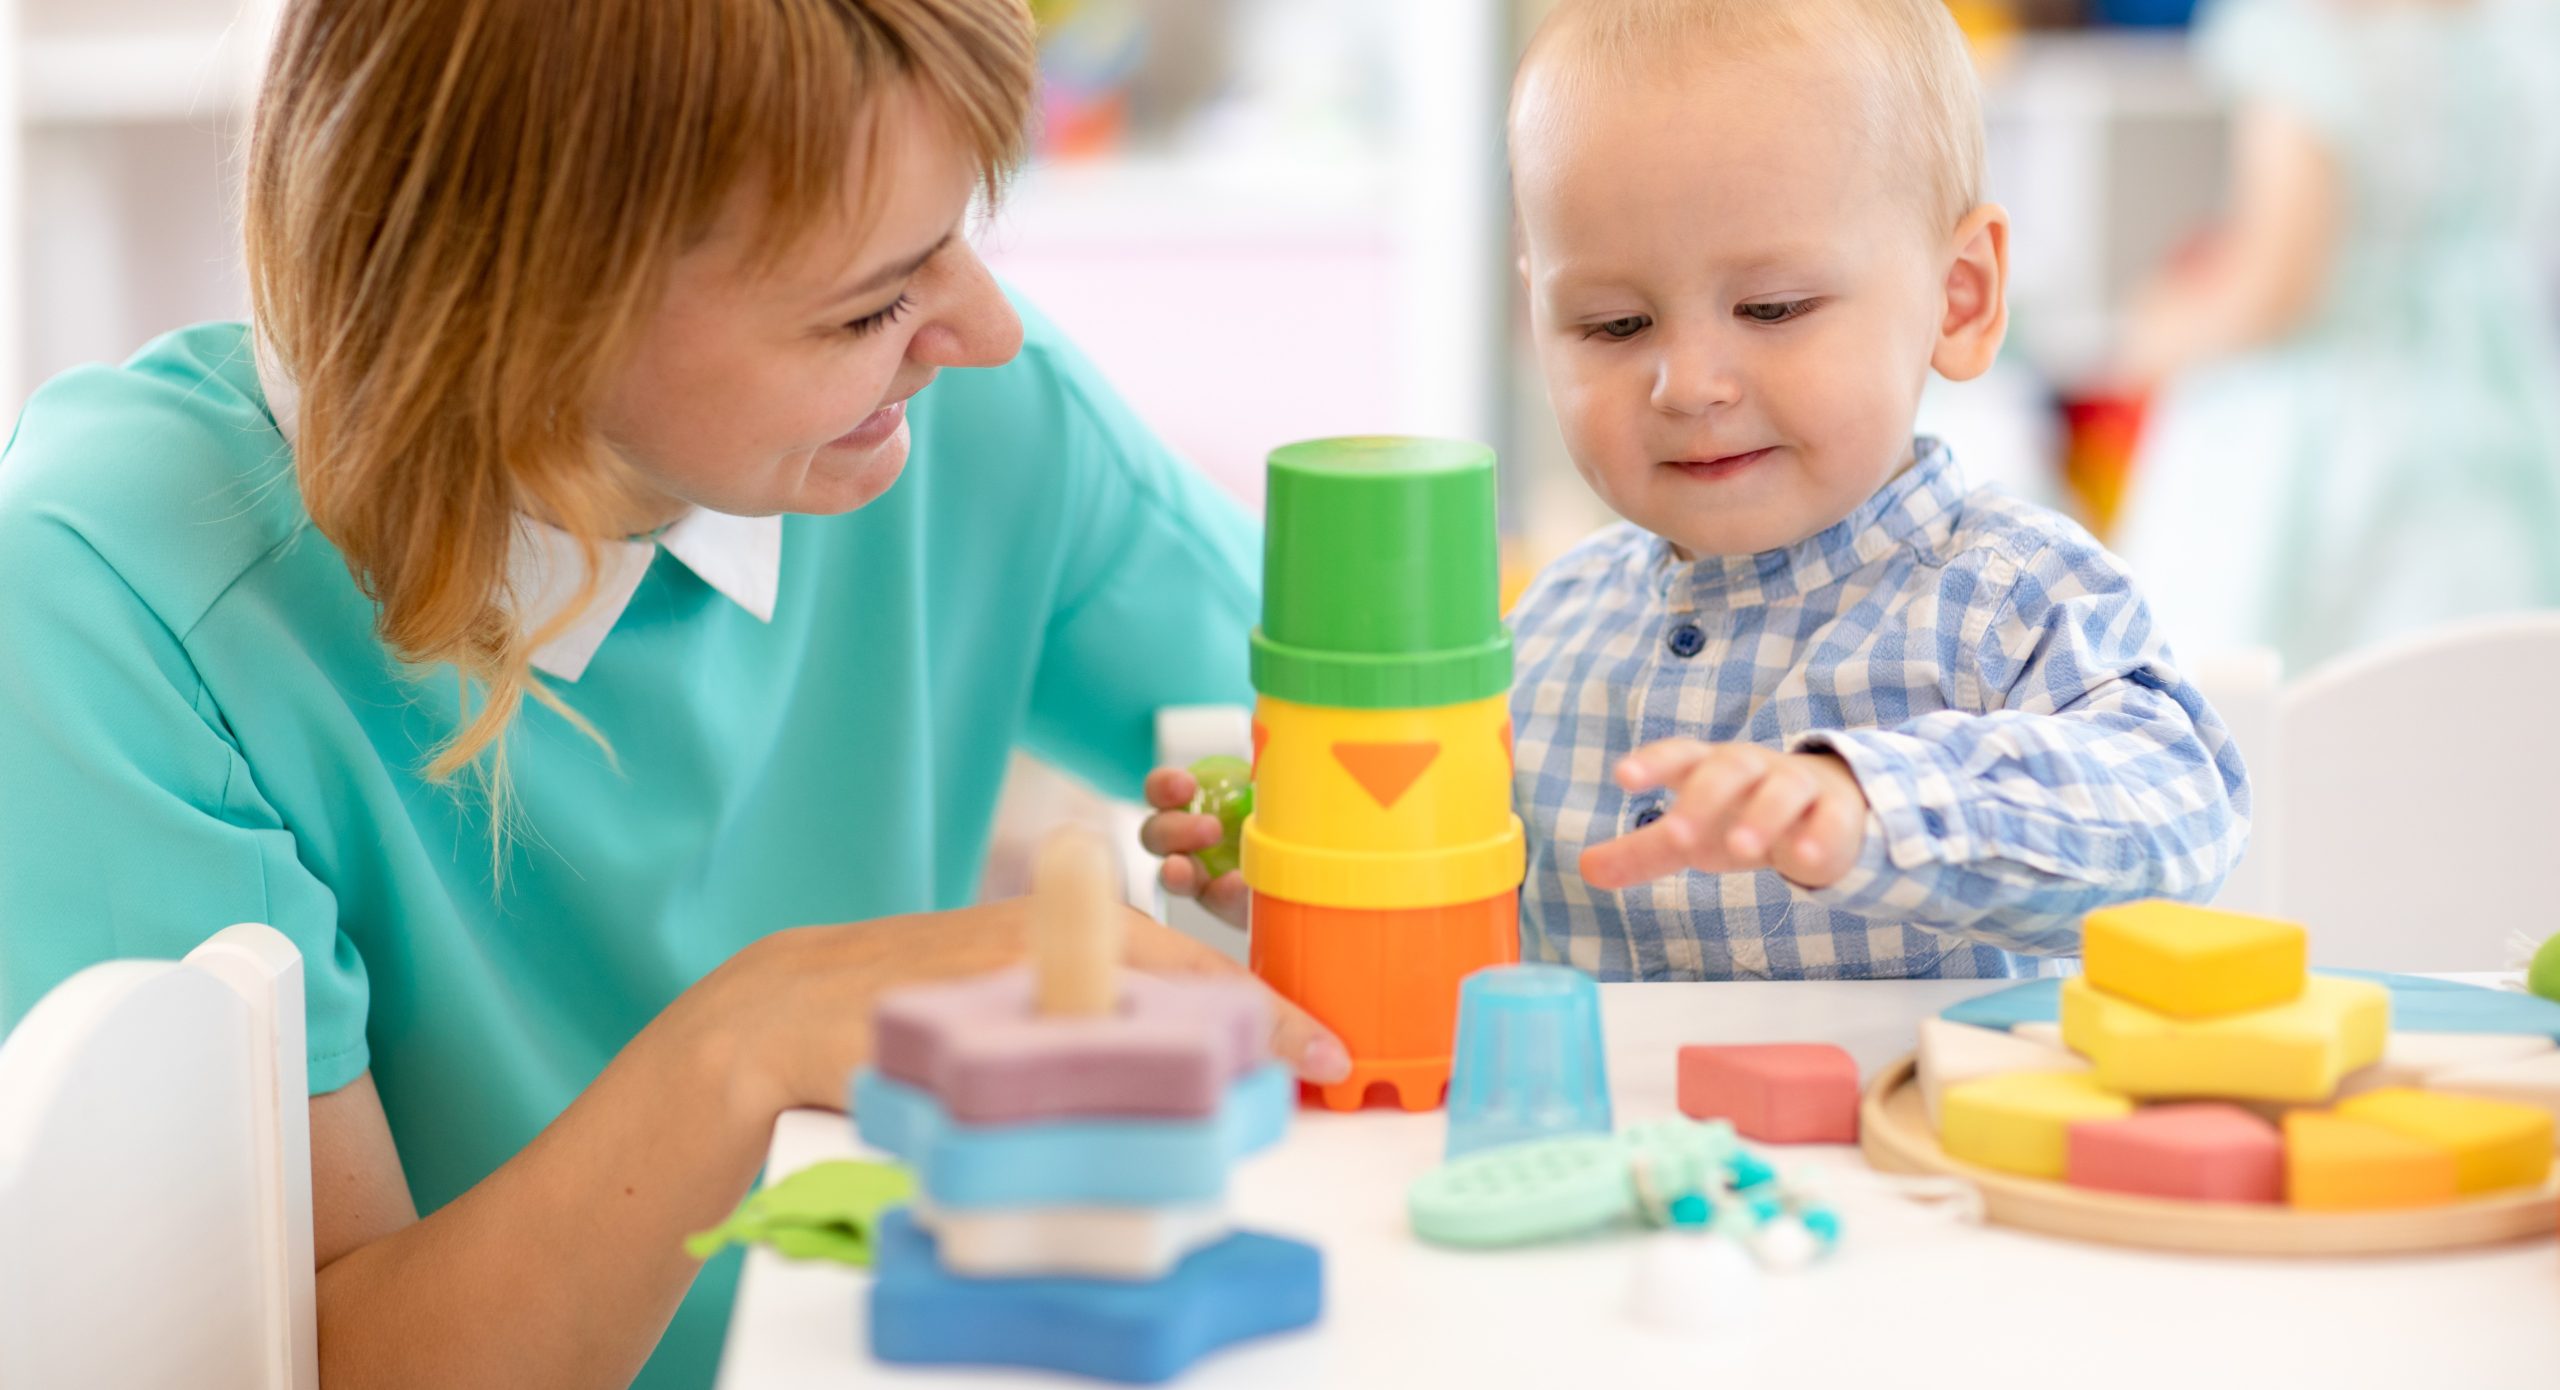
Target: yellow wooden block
<point>2020,1122</point>
<point>2193,962</point>
<point>2293,1052</point>
<point>2496,1144</point>
<point>2337,1164</point>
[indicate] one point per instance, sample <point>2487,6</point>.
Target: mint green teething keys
<point>1548,1189</point>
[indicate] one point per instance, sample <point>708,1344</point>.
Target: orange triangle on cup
<point>1261,736</point>
<point>1385,770</point>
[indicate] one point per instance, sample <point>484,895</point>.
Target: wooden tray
<point>1894,1132</point>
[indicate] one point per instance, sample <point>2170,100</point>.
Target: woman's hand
<point>791,1014</point>
<point>1738,808</point>
<point>1175,833</point>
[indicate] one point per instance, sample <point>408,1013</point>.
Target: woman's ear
<point>1977,296</point>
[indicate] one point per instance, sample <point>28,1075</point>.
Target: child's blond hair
<point>1925,99</point>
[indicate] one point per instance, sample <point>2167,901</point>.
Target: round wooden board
<point>1895,1134</point>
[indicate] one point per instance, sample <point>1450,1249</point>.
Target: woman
<point>2360,436</point>
<point>589,343</point>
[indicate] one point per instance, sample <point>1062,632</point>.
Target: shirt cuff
<point>1915,807</point>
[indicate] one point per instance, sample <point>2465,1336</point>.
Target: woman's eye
<point>870,323</point>
<point>1778,312</point>
<point>1620,329</point>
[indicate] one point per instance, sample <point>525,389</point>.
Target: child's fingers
<point>1713,795</point>
<point>1661,848</point>
<point>1661,764</point>
<point>1171,788</point>
<point>1771,809</point>
<point>1226,898</point>
<point>1180,874</point>
<point>1823,842</point>
<point>1179,832</point>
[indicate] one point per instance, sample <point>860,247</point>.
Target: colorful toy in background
<point>1071,1126</point>
<point>1091,51</point>
<point>2100,436</point>
<point>2200,1060</point>
<point>1383,854</point>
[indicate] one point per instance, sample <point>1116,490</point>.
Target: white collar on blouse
<point>740,556</point>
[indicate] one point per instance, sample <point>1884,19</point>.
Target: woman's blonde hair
<point>459,213</point>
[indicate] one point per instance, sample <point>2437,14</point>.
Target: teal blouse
<point>198,726</point>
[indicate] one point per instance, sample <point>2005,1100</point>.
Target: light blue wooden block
<point>2418,1005</point>
<point>1079,1162</point>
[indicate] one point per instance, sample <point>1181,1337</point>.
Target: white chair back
<point>155,1176</point>
<point>2419,808</point>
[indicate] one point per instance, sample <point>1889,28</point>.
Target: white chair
<point>155,1177</point>
<point>2405,795</point>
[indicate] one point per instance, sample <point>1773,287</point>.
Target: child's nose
<point>1694,376</point>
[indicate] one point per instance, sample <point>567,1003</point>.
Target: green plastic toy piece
<point>1381,575</point>
<point>1549,1189</point>
<point>1226,791</point>
<point>2543,976</point>
<point>823,1212</point>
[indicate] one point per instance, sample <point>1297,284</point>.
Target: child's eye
<point>1777,312</point>
<point>1618,330</point>
<point>870,323</point>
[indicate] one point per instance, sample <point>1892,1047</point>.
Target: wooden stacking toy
<point>2198,1086</point>
<point>1071,1125</point>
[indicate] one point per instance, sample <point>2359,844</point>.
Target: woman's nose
<point>974,325</point>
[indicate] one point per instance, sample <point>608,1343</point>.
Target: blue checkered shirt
<point>2027,744</point>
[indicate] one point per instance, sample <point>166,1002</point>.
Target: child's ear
<point>1977,312</point>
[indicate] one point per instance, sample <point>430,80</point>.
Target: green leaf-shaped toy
<point>825,1211</point>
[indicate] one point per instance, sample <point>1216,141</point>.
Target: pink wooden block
<point>1778,1093</point>
<point>1170,1052</point>
<point>2202,1152</point>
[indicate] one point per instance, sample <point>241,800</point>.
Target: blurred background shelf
<point>1265,219</point>
<point>90,79</point>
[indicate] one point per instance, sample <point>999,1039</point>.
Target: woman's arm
<point>563,1267</point>
<point>2263,273</point>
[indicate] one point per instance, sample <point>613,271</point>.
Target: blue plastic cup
<point>1529,1063</point>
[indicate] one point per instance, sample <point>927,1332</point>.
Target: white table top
<point>1911,1298</point>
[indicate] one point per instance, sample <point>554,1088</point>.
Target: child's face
<point>756,392</point>
<point>1734,296</point>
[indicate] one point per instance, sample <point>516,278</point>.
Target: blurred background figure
<point>2358,432</point>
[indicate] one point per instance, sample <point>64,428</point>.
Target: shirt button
<point>1686,640</point>
<point>1648,816</point>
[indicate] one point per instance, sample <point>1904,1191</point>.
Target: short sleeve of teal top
<point>199,727</point>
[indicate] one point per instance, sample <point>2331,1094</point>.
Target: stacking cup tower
<point>1383,853</point>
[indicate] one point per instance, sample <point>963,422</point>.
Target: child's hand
<point>1739,807</point>
<point>1176,834</point>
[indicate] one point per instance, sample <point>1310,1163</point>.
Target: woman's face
<point>785,391</point>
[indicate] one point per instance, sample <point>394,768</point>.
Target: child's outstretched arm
<point>2093,773</point>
